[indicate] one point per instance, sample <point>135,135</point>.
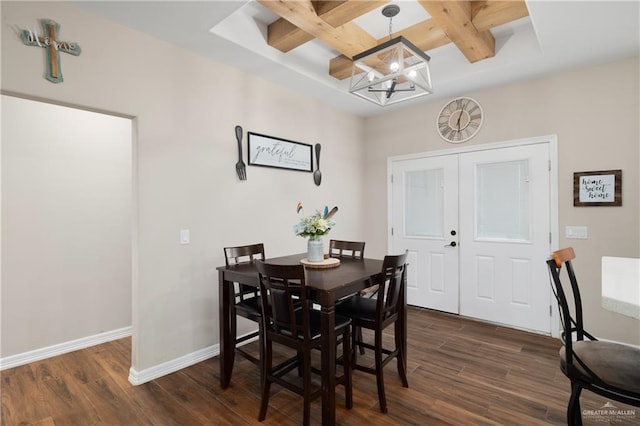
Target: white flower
<point>316,225</point>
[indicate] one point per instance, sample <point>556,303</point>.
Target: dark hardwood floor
<point>461,372</point>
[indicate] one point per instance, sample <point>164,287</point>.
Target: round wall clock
<point>459,120</point>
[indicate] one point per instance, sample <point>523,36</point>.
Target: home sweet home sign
<point>49,41</point>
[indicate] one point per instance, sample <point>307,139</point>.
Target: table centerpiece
<point>314,227</point>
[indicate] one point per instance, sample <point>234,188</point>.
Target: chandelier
<point>391,72</point>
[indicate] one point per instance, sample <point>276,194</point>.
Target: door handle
<point>452,244</point>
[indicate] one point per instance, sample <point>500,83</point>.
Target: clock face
<point>459,120</point>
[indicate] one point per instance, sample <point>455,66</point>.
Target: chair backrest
<point>284,300</point>
<point>244,254</point>
<point>239,254</point>
<point>392,280</point>
<point>340,248</point>
<point>570,325</point>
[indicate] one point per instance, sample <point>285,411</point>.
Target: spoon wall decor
<point>317,175</point>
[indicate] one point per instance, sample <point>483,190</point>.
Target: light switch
<point>576,232</point>
<point>185,237</point>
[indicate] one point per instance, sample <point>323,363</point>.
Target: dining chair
<point>341,248</point>
<point>353,250</point>
<point>377,314</point>
<point>606,368</point>
<point>247,298</point>
<point>289,321</point>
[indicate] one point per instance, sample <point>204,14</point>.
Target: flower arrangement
<point>316,225</point>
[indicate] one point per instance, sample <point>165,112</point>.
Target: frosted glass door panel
<point>424,203</point>
<point>503,201</point>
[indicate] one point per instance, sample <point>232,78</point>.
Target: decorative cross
<point>53,45</point>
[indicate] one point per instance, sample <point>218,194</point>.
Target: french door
<point>425,222</point>
<point>477,227</point>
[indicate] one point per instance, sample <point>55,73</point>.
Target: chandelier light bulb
<point>412,74</point>
<point>394,66</point>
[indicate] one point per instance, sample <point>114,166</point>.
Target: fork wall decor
<point>241,169</point>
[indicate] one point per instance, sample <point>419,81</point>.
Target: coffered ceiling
<point>306,45</point>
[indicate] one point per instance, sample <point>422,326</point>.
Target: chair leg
<point>358,332</point>
<point>306,383</point>
<point>346,366</point>
<point>574,417</point>
<point>354,355</point>
<point>379,371</point>
<point>265,383</point>
<point>400,357</point>
<point>300,363</point>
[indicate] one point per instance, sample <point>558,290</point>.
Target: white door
<point>425,222</point>
<point>505,236</point>
<point>497,202</point>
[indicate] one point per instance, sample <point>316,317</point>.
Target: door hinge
<point>392,232</point>
<point>549,165</point>
<point>391,178</point>
<point>550,238</point>
<point>550,310</point>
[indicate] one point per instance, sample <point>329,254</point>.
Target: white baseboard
<point>152,373</point>
<point>135,377</point>
<point>62,348</point>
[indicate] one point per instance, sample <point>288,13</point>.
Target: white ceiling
<point>557,35</point>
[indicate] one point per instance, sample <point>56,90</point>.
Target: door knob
<point>452,244</point>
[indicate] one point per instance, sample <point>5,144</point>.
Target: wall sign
<point>601,188</point>
<point>270,151</point>
<point>49,40</point>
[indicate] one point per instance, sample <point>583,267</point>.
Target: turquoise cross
<point>49,40</point>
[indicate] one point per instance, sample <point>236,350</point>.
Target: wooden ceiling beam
<point>348,39</point>
<point>284,36</point>
<point>454,17</point>
<point>427,35</point>
<point>489,14</point>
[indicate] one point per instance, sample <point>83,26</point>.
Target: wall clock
<point>459,120</point>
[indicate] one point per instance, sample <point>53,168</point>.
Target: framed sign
<point>269,151</point>
<point>602,188</point>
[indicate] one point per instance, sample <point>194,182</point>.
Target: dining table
<point>325,287</point>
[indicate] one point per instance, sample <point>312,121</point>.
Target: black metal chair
<point>288,320</point>
<point>608,369</point>
<point>377,314</point>
<point>247,298</point>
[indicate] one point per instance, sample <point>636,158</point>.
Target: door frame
<point>550,140</point>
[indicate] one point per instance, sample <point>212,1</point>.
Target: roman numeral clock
<point>459,120</point>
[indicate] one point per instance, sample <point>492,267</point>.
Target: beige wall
<point>66,224</point>
<point>185,108</point>
<point>594,112</point>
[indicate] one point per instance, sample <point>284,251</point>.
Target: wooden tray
<point>330,262</point>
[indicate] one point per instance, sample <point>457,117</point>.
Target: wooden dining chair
<point>247,298</point>
<point>606,368</point>
<point>289,321</point>
<point>352,250</point>
<point>377,314</point>
<point>341,248</point>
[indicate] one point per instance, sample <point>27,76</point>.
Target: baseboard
<point>152,373</point>
<point>62,348</point>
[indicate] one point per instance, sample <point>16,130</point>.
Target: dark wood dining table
<point>325,287</point>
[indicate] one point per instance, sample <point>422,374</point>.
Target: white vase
<point>315,250</point>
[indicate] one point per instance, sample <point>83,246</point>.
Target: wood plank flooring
<point>461,372</point>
